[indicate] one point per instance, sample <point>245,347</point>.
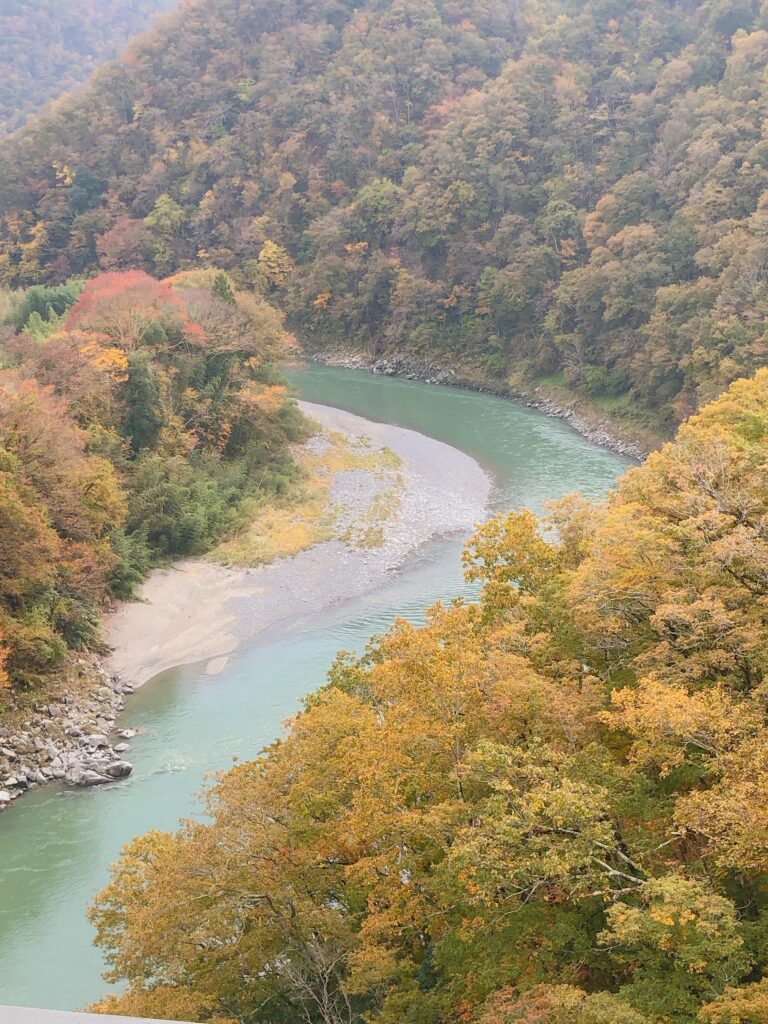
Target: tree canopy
<point>543,808</point>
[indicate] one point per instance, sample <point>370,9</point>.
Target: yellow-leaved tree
<point>544,808</point>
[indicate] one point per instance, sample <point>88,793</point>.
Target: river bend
<point>56,845</point>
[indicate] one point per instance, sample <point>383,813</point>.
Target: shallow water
<point>56,845</point>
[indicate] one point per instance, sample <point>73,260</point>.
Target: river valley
<point>55,847</point>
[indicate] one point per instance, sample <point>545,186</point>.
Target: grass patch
<point>554,380</point>
<point>305,516</point>
<point>612,405</point>
<point>369,531</point>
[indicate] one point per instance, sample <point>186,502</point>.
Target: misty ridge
<point>48,47</point>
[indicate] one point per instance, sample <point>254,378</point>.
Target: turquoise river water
<point>56,844</point>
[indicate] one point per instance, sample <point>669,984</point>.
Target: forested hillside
<point>50,46</point>
<point>546,808</point>
<point>135,417</point>
<point>538,189</point>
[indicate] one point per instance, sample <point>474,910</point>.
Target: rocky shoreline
<point>70,738</point>
<point>599,431</point>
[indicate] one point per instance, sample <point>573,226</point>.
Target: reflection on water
<point>55,845</point>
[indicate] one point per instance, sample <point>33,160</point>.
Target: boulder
<point>119,769</point>
<point>85,777</point>
<point>91,778</point>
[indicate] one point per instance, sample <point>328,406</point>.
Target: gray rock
<point>85,777</point>
<point>122,748</point>
<point>5,796</point>
<point>119,769</point>
<point>90,778</point>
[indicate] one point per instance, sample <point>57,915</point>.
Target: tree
<point>276,263</point>
<point>557,1004</point>
<point>222,288</point>
<point>747,1005</point>
<point>129,308</point>
<point>683,942</point>
<point>145,416</point>
<point>124,246</point>
<point>49,49</point>
<point>5,679</point>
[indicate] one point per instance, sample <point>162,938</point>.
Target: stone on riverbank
<point>67,739</point>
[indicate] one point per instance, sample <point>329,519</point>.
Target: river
<point>56,844</point>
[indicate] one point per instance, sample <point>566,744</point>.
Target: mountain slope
<point>532,190</point>
<point>50,46</point>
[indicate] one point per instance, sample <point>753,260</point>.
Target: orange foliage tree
<point>125,306</point>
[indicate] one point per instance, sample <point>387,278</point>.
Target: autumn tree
<point>544,807</point>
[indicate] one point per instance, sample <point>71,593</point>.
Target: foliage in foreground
<point>544,808</point>
<point>135,416</point>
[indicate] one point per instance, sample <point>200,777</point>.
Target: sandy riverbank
<point>198,610</point>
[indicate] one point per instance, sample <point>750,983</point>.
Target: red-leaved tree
<point>127,306</point>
